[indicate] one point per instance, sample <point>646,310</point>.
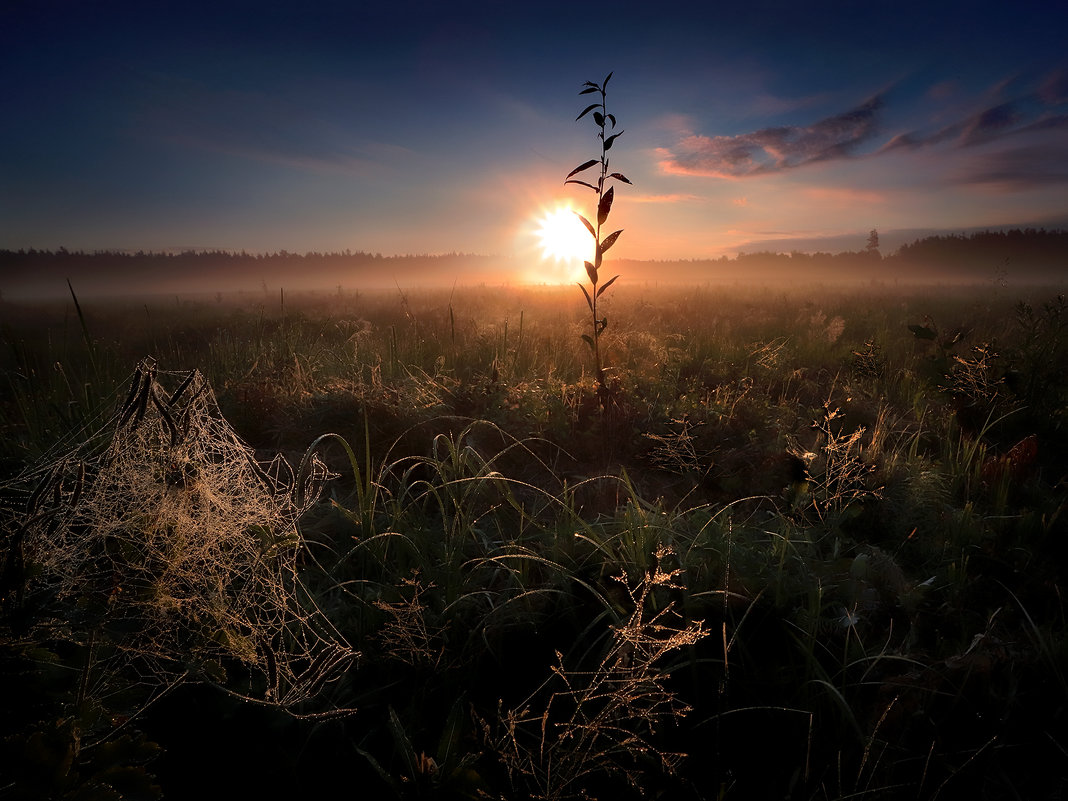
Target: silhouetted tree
<point>873,241</point>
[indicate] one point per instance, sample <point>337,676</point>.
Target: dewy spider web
<point>165,546</point>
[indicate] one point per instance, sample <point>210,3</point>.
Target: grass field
<point>804,544</point>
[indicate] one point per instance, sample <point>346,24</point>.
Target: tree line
<point>1024,254</point>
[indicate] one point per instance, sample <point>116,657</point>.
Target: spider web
<point>159,542</point>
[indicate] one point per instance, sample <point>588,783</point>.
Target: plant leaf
<point>605,205</point>
<point>598,118</point>
<point>382,772</point>
<point>580,183</point>
<point>584,166</point>
<point>587,110</point>
<point>589,341</point>
<point>450,736</point>
<point>605,84</point>
<point>589,300</point>
<point>612,138</point>
<point>620,177</point>
<point>590,89</point>
<point>402,742</point>
<point>602,324</point>
<point>609,240</point>
<point>587,223</point>
<point>611,117</point>
<point>591,271</point>
<point>607,284</point>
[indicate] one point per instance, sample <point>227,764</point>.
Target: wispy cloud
<point>1054,89</point>
<point>1031,167</point>
<point>677,197</point>
<point>979,128</point>
<point>943,90</point>
<point>280,130</point>
<point>843,195</point>
<point>771,150</point>
<point>1014,140</point>
<point>1031,116</point>
<point>1026,110</point>
<point>324,161</point>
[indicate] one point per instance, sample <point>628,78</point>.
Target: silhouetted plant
<point>945,341</point>
<point>603,120</point>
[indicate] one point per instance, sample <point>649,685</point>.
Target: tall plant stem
<point>605,197</point>
<point>597,241</point>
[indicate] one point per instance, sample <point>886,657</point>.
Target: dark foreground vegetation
<point>806,545</point>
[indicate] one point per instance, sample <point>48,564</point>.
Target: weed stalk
<point>604,121</point>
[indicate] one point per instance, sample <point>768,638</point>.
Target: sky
<point>408,128</point>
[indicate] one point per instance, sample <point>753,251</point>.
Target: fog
<point>1027,257</point>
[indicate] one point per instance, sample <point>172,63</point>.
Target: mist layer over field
<point>1026,257</point>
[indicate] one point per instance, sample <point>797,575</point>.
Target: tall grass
<point>880,576</point>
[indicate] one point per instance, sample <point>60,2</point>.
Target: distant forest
<point>1031,256</point>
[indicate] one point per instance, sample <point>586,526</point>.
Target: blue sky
<point>429,128</point>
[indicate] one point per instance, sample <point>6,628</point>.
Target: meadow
<point>804,543</point>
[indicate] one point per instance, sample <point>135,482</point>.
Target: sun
<point>563,237</point>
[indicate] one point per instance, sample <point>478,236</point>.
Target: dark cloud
<point>978,129</point>
<point>1032,167</point>
<point>915,140</point>
<point>989,124</point>
<point>1032,111</point>
<point>775,149</point>
<point>1041,162</point>
<point>1054,89</point>
<point>1029,111</point>
<point>1053,123</point>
